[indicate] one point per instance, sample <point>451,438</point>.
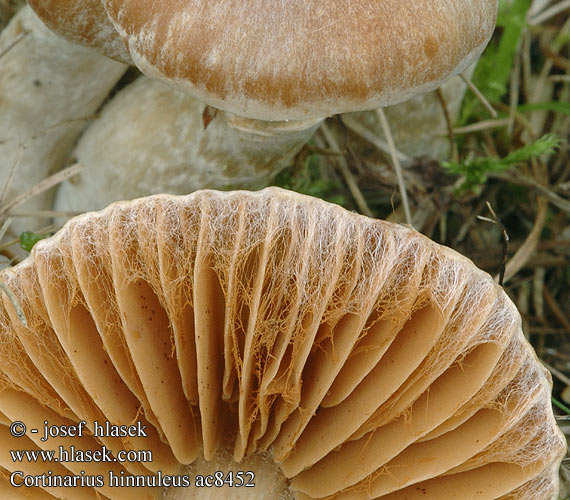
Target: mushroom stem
<point>134,150</point>
<point>49,88</point>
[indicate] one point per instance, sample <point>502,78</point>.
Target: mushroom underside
<point>329,354</point>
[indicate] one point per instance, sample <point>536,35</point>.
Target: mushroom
<point>295,63</point>
<point>419,125</point>
<point>329,354</point>
<point>83,22</point>
<point>134,150</point>
<point>49,88</point>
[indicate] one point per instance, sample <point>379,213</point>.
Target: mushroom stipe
<point>330,354</point>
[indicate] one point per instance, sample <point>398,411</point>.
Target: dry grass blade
<point>397,166</point>
<point>537,289</point>
<point>347,174</point>
<point>479,96</point>
<point>546,69</point>
<point>15,303</point>
<point>40,187</point>
<point>372,138</point>
<point>51,228</point>
<point>471,217</point>
<point>556,309</point>
<point>514,88</point>
<point>495,220</point>
<point>560,78</point>
<point>5,246</point>
<point>44,214</point>
<point>523,180</point>
<point>525,251</point>
<point>5,227</point>
<point>11,175</point>
<point>482,125</point>
<point>17,40</point>
<point>549,13</point>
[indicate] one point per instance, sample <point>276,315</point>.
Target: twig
<point>371,137</point>
<point>565,409</point>
<point>551,351</point>
<point>448,122</point>
<point>42,186</point>
<point>396,162</point>
<point>349,178</point>
<point>482,99</point>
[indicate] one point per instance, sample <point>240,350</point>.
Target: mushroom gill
<point>329,354</point>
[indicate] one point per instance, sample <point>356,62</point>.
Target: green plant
<point>475,170</point>
<point>28,239</point>
<point>494,68</point>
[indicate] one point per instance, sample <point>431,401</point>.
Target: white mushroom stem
<point>49,88</point>
<point>151,138</point>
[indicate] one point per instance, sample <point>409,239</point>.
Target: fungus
<point>145,141</point>
<point>49,88</point>
<point>296,63</point>
<point>330,354</point>
<point>83,22</point>
<point>419,126</point>
<point>134,150</point>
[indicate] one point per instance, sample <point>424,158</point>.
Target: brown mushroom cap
<point>298,59</point>
<point>84,22</point>
<point>331,353</point>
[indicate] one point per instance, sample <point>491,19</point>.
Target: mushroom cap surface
<point>353,357</point>
<point>297,60</point>
<point>84,22</point>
